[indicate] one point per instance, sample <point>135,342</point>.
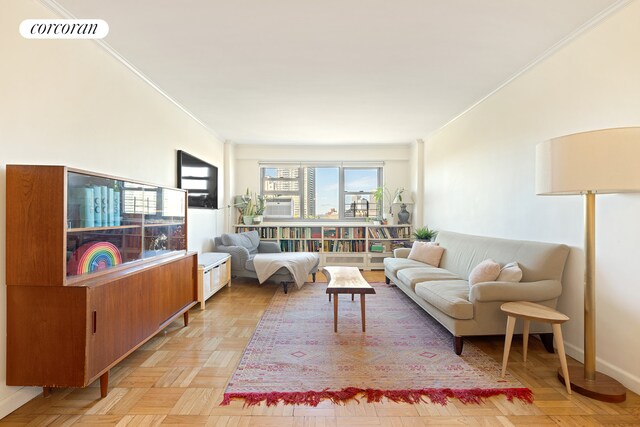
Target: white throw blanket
<point>299,265</point>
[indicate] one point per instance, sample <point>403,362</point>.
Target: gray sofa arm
<point>542,290</point>
<point>239,255</point>
<point>401,252</point>
<point>268,248</point>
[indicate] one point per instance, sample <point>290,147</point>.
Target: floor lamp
<point>590,163</point>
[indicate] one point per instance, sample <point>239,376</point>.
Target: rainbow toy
<point>93,256</point>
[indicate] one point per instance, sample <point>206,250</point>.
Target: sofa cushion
<point>449,296</point>
<point>412,276</point>
<point>393,265</point>
<point>427,252</point>
<point>538,260</point>
<point>511,272</point>
<point>249,240</point>
<point>487,271</point>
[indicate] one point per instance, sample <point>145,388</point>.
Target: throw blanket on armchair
<point>299,265</point>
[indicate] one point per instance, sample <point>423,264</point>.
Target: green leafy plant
<point>250,204</point>
<point>249,208</point>
<point>424,233</point>
<point>378,197</point>
<point>261,205</point>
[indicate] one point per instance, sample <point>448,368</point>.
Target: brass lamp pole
<point>587,163</point>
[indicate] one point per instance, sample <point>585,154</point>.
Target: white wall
<point>71,103</point>
<point>416,168</point>
<point>480,177</point>
<point>396,161</point>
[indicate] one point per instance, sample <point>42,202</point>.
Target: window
<point>320,192</point>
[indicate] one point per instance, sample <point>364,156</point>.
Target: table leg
<point>364,328</point>
<point>511,324</point>
<point>352,297</point>
<point>557,335</point>
<point>335,313</point>
<point>525,339</point>
<point>329,297</point>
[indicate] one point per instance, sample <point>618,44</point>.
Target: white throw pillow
<point>487,271</point>
<point>511,272</point>
<point>427,252</point>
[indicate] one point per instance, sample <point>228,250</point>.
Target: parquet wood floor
<point>178,377</point>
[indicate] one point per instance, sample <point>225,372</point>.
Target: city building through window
<point>320,192</point>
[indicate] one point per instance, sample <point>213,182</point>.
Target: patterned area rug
<point>295,357</point>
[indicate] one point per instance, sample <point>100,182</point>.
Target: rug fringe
<point>435,395</point>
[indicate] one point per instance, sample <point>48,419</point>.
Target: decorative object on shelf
<point>93,256</point>
<point>424,233</point>
<point>104,205</point>
<point>81,205</point>
<point>403,214</point>
<point>97,206</point>
<point>159,243</point>
<point>600,161</point>
<point>116,207</point>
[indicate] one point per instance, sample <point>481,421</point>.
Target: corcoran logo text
<point>64,28</point>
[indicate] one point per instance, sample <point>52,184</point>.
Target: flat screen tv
<point>200,179</point>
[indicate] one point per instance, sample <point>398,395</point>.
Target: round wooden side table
<point>529,311</point>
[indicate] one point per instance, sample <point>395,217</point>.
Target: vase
<point>247,219</point>
<point>403,215</point>
<point>257,219</point>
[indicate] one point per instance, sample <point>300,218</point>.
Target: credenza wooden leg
<point>104,384</point>
<point>46,392</point>
<point>186,318</point>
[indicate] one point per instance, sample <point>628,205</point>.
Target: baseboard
<point>627,379</point>
<point>17,399</point>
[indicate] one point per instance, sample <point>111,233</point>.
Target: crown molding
<point>549,52</point>
<point>59,10</point>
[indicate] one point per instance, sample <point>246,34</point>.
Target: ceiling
<point>332,71</point>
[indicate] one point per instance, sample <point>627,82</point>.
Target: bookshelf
<point>360,245</point>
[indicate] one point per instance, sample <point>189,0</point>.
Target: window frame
<point>301,193</point>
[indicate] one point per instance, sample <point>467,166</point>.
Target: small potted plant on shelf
<point>248,211</point>
<point>260,205</point>
<point>378,197</point>
<point>424,234</point>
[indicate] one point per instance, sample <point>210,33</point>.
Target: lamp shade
<point>398,200</point>
<point>600,161</point>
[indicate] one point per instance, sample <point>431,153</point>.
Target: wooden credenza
<point>68,328</point>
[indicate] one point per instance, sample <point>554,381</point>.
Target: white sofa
<point>445,294</point>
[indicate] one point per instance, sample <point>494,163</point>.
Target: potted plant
<point>378,197</point>
<point>260,205</point>
<point>424,234</point>
<point>248,211</point>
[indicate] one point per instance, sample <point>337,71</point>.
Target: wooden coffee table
<point>346,280</point>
